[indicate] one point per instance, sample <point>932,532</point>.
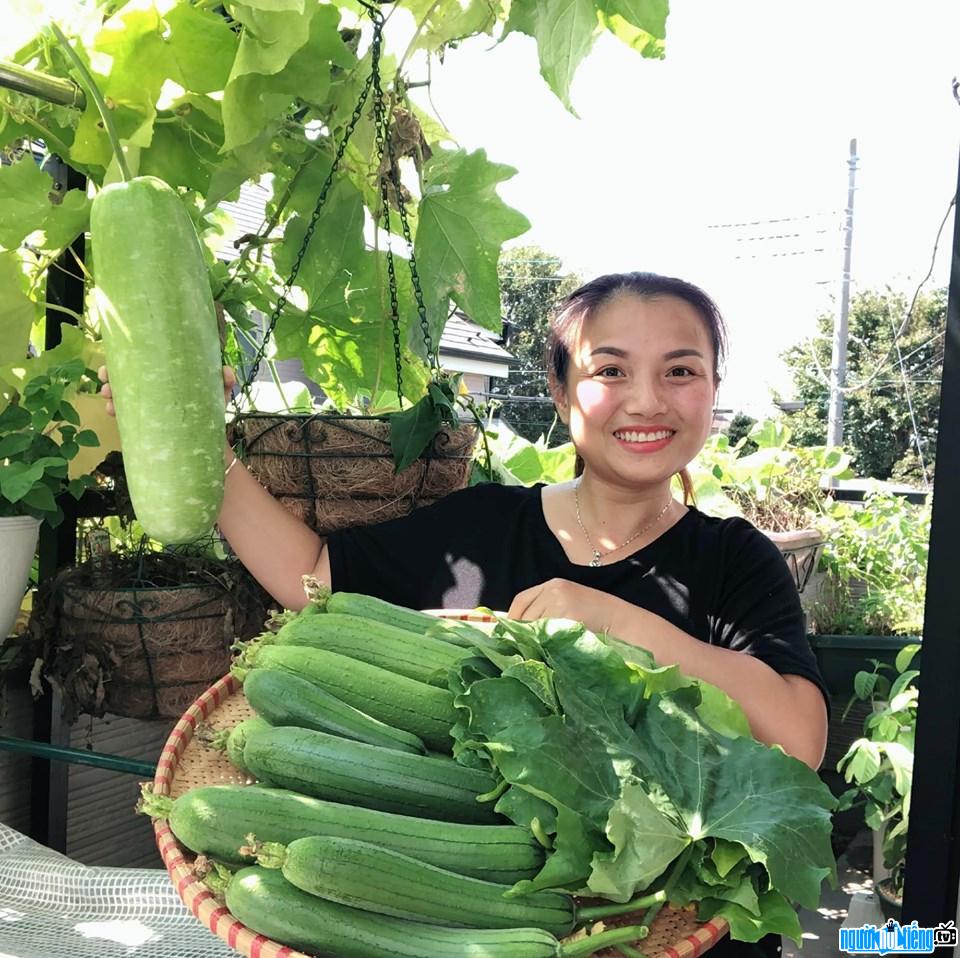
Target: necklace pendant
<point>595,561</point>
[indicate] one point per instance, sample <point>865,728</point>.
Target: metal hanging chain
<point>381,132</point>
<point>383,140</point>
<point>317,210</point>
<point>384,151</point>
<point>384,148</point>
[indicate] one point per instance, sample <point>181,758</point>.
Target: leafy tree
<point>739,427</point>
<point>531,284</point>
<point>878,430</point>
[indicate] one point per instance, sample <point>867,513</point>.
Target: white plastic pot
<point>18,543</point>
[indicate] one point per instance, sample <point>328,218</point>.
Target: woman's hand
<point>229,381</point>
<point>563,599</point>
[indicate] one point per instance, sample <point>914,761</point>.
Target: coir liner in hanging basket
<point>143,636</point>
<point>333,471</point>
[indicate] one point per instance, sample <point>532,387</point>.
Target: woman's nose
<point>645,397</point>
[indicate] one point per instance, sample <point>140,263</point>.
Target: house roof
<point>463,337</point>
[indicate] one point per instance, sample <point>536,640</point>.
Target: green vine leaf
<point>186,151</point>
<point>140,62</point>
<point>446,20</point>
<point>282,55</point>
<point>17,312</point>
<point>565,31</point>
<point>345,341</point>
<point>412,430</point>
<point>640,24</point>
<point>444,396</point>
<point>463,224</point>
<point>337,241</point>
<point>27,200</point>
<point>203,47</point>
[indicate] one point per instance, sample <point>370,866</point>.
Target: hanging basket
<point>142,636</point>
<point>334,471</point>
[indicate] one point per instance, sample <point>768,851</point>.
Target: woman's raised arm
<point>276,547</point>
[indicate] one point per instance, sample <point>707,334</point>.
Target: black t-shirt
<point>719,580</point>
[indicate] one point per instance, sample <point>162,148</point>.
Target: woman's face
<point>640,388</point>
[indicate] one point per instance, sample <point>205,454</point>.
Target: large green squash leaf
<point>203,47</point>
<point>140,60</point>
<point>565,31</point>
<point>283,54</point>
<point>444,20</point>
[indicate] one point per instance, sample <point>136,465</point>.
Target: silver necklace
<point>595,561</point>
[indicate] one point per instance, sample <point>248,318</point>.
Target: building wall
<point>476,383</point>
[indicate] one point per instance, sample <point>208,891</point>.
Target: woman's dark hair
<point>567,322</point>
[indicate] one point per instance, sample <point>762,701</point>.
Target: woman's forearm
<point>779,710</point>
<point>275,546</point>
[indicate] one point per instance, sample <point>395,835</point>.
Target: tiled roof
<point>462,336</point>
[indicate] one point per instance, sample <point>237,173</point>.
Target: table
<point>54,907</point>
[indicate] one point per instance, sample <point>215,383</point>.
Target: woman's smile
<point>644,441</point>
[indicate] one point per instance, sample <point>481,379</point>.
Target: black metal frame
<point>933,841</point>
<point>48,816</point>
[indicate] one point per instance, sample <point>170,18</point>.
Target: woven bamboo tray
<point>186,763</point>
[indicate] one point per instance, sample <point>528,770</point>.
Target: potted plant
<point>875,567</point>
<point>39,436</point>
<point>871,605</point>
<point>879,767</point>
<point>140,632</point>
<point>778,487</point>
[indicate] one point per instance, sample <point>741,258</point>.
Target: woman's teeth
<point>644,436</point>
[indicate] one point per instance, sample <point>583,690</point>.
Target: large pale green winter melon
<point>162,348</point>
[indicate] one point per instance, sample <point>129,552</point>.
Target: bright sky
<point>748,119</point>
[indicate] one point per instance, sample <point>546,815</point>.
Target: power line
<point>781,219</point>
<point>913,415</point>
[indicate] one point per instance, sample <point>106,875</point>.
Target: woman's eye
<point>608,369</point>
<point>681,372</point>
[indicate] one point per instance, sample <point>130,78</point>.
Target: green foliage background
<point>877,424</point>
<point>532,283</point>
<point>208,97</point>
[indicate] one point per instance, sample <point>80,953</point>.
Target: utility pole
<point>838,362</point>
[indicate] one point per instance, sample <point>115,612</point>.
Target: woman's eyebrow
<point>623,354</point>
<point>612,350</point>
<point>677,353</point>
